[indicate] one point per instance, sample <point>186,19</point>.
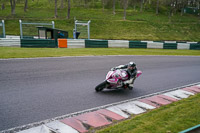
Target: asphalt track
<point>32,90</point>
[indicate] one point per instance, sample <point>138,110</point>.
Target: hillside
<point>138,25</point>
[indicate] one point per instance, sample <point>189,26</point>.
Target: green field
<point>12,52</point>
<point>172,118</point>
<point>138,25</point>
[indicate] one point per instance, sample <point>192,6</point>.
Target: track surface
<point>32,90</point>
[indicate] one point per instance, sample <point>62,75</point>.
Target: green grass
<point>12,52</point>
<point>105,25</point>
<point>172,118</point>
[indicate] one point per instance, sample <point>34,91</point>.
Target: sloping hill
<point>138,25</point>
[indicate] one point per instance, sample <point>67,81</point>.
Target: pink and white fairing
<point>115,76</point>
<point>114,80</point>
<point>138,73</point>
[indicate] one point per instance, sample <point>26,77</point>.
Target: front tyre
<point>101,86</point>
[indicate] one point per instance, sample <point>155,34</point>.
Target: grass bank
<point>172,118</point>
<point>13,52</point>
<point>144,25</point>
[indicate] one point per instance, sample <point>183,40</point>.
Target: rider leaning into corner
<point>131,69</point>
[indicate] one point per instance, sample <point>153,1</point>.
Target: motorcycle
<point>115,80</point>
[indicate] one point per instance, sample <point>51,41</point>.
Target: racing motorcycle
<point>115,80</point>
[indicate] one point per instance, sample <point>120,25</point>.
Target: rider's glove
<point>113,69</point>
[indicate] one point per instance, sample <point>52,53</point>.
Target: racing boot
<point>130,86</point>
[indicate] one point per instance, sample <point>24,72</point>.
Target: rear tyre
<point>100,87</point>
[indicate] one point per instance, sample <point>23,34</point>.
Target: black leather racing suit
<point>131,74</point>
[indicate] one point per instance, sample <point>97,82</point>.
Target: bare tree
<point>13,4</point>
<point>183,4</point>
<point>149,1</point>
<point>125,7</point>
<point>172,7</point>
<point>132,3</point>
<point>62,4</point>
<point>198,4</point>
<point>85,3</point>
<point>157,7</point>
<point>25,5</point>
<point>2,6</point>
<point>69,7</point>
<point>114,7</point>
<point>56,11</point>
<point>103,4</point>
<point>141,6</point>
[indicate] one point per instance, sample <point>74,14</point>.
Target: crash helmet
<point>131,64</point>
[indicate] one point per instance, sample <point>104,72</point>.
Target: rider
<point>131,69</point>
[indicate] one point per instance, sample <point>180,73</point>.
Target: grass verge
<point>13,52</point>
<point>171,118</point>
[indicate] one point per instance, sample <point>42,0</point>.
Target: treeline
<point>169,7</point>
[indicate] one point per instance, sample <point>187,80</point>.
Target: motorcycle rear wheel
<point>101,86</point>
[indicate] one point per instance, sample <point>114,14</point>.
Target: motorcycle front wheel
<point>101,86</point>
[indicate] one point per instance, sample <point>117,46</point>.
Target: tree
<point>103,4</point>
<point>85,3</point>
<point>25,5</point>
<point>114,7</point>
<point>62,4</point>
<point>125,7</point>
<point>2,6</point>
<point>141,6</point>
<point>68,13</point>
<point>12,4</point>
<point>198,4</point>
<point>56,13</point>
<point>182,6</point>
<point>172,7</point>
<point>157,7</point>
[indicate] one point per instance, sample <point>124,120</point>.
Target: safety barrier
<point>165,45</point>
<point>62,43</point>
<point>118,44</point>
<point>39,43</point>
<point>81,43</point>
<point>96,43</point>
<point>137,44</point>
<point>75,43</point>
<point>7,42</point>
<point>170,45</point>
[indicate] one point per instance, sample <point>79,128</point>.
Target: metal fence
<point>83,28</point>
<point>3,33</point>
<point>29,30</point>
